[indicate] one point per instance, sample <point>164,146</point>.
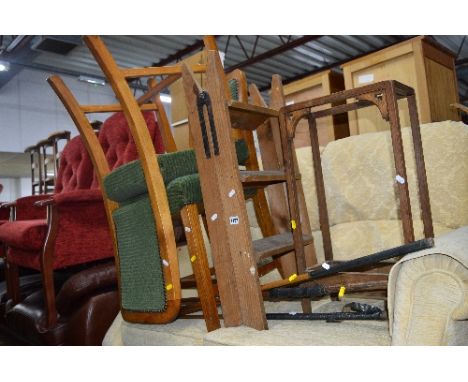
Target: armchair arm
<point>78,196</point>
<point>76,288</point>
<point>78,233</point>
<point>44,203</point>
<point>27,210</point>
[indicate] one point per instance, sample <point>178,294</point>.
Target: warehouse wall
<point>30,110</point>
<point>13,188</point>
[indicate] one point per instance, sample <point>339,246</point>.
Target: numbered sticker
<point>233,220</point>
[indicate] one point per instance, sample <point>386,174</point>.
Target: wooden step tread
<point>276,245</point>
<point>249,117</point>
<point>263,178</point>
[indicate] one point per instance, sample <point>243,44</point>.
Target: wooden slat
<point>249,117</point>
<point>320,187</point>
<point>156,88</point>
<point>276,245</point>
<point>113,108</point>
<point>399,160</point>
<point>262,178</point>
<point>159,71</point>
<point>345,279</point>
<point>201,269</point>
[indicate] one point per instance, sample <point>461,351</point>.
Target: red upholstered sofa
<point>4,216</point>
<point>68,229</point>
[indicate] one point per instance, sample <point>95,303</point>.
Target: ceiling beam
<point>19,51</point>
<point>273,52</point>
<point>180,54</point>
<point>336,64</point>
<point>462,62</point>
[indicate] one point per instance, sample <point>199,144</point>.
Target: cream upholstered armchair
<point>428,291</point>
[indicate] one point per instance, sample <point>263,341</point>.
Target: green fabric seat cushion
<point>141,276</point>
<point>128,181</point>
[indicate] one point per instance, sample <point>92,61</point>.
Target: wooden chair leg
<point>49,297</point>
<point>13,282</point>
<point>47,272</point>
<point>200,266</point>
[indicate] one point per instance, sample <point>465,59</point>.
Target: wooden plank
<point>157,87</point>
<point>320,188</point>
<point>247,116</point>
<point>399,159</point>
<point>344,279</point>
<point>263,178</point>
<point>276,245</point>
<point>420,169</point>
<point>159,71</point>
<point>222,259</point>
<point>237,235</point>
<point>113,108</point>
<point>163,122</point>
<point>200,266</point>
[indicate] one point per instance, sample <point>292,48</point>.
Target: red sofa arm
<point>78,196</point>
<point>82,233</point>
<point>27,210</point>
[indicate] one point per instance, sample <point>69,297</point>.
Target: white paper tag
<point>233,220</point>
<point>326,266</point>
<point>289,102</point>
<point>252,270</point>
<point>400,179</point>
<point>187,229</point>
<point>165,262</point>
<point>231,193</point>
<point>214,217</point>
<point>365,78</point>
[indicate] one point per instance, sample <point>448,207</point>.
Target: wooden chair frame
<point>156,190</point>
<point>36,168</point>
<point>384,95</point>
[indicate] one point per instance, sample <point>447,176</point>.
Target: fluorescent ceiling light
<point>4,66</point>
<point>92,80</point>
<point>165,98</point>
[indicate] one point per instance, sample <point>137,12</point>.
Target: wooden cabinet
<point>320,84</point>
<point>420,63</point>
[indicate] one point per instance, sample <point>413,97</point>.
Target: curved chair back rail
<point>162,224</point>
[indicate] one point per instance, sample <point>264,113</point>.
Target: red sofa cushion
<point>76,169</point>
<point>25,234</point>
<point>118,144</point>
